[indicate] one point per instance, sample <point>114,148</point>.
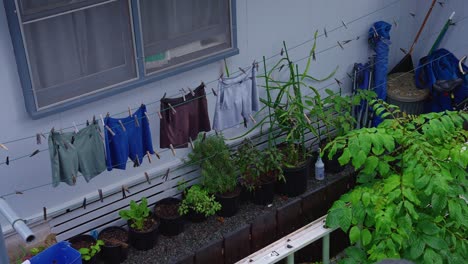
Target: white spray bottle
<point>319,169</point>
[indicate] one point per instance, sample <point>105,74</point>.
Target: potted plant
<point>167,212</point>
<point>197,203</point>
<point>143,228</point>
<point>115,248</point>
<point>259,171</point>
<point>88,247</point>
<point>335,111</point>
<point>218,172</point>
<point>410,201</point>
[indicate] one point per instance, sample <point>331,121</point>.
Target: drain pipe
<point>18,224</point>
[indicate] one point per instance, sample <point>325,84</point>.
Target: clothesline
<point>325,33</point>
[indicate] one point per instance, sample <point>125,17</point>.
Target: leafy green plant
<point>200,201</point>
<point>137,214</point>
<point>257,167</point>
<point>411,199</point>
<point>217,167</point>
<point>89,253</point>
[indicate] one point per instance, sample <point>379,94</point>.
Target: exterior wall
<point>262,26</point>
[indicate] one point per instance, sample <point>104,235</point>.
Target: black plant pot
<point>84,238</point>
<point>296,180</point>
<point>229,203</point>
<point>143,240</point>
<point>171,225</point>
<point>332,165</point>
<point>195,217</point>
<point>264,194</point>
<point>112,254</point>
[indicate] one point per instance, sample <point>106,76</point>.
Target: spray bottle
<point>319,168</point>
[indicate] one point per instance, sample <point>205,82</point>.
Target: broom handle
<point>422,27</point>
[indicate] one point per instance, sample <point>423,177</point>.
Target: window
<point>70,52</point>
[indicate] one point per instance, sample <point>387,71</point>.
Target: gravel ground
<point>197,235</point>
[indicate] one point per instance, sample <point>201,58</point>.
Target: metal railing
<point>286,247</point>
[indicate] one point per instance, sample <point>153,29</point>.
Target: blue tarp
<point>440,65</point>
<point>379,39</point>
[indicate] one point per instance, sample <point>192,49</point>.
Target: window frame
<point>143,78</point>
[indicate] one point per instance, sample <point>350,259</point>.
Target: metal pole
<point>3,250</point>
<point>290,259</point>
<point>326,249</point>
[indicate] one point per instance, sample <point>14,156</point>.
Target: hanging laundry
<point>236,101</point>
<point>85,154</point>
<point>130,140</point>
<point>184,119</point>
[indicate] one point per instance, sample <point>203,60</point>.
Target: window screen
<point>178,31</point>
<point>78,52</point>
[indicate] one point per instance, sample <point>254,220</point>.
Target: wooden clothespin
<point>137,123</point>
<point>282,52</point>
<point>74,179</point>
<point>172,150</point>
<point>157,154</point>
<point>191,91</point>
<point>441,3</point>
<point>101,196</point>
<point>34,153</point>
<point>7,160</point>
<point>147,116</point>
<point>3,146</point>
<point>255,65</point>
<point>339,44</point>
<point>253,119</point>
<point>44,210</point>
<point>166,176</point>
<point>183,96</point>
<point>164,96</point>
<point>242,70</point>
<point>147,178</point>
<point>281,67</point>
<point>160,115</point>
<point>404,51</point>
<point>137,161</point>
<point>129,111</point>
<point>124,191</point>
<point>307,118</point>
<point>148,155</point>
<point>204,136</point>
<point>313,55</point>
<point>395,23</point>
<point>172,108</point>
<point>338,82</point>
<point>19,192</point>
<point>325,32</point>
<point>76,128</point>
<point>347,41</point>
<point>191,143</point>
<point>214,92</point>
<point>412,14</point>
<point>84,203</point>
<point>122,125</point>
<point>38,139</point>
<point>110,130</point>
<point>87,122</point>
<point>344,24</point>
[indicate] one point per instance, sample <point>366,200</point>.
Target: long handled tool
<point>442,33</point>
<point>406,64</point>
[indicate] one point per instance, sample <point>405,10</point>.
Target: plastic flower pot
<point>115,249</point>
<point>229,203</point>
<point>84,241</point>
<point>167,212</point>
<point>296,180</point>
<point>264,194</point>
<point>144,239</point>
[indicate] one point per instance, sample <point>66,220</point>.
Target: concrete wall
<point>262,26</point>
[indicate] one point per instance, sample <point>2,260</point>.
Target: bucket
<point>60,253</point>
<point>402,92</point>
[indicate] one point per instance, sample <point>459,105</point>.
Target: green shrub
<point>89,253</point>
<point>137,214</point>
<point>200,201</point>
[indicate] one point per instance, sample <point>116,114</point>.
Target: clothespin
<point>281,67</point>
<point>164,96</point>
<point>101,197</point>
<point>204,136</point>
<point>166,176</point>
<point>253,119</point>
<point>45,213</point>
<point>404,51</point>
<point>159,114</point>
<point>325,32</point>
<point>221,76</point>
<point>19,192</point>
<point>84,203</point>
<point>122,125</point>
<point>307,118</point>
<point>191,91</point>
<point>87,122</point>
<point>214,92</point>
<point>172,150</point>
<point>76,128</point>
<point>7,160</point>
<point>282,52</point>
<point>339,44</point>
<point>124,191</point>
<point>157,154</point>
<point>313,55</point>
<point>110,130</point>
<point>412,14</point>
<point>344,24</point>
<point>376,34</point>
<point>349,75</point>
<point>38,139</point>
<point>242,70</point>
<point>338,82</point>
<point>347,41</point>
<point>129,111</point>
<point>136,161</point>
<point>3,146</point>
<point>148,154</point>
<point>34,153</point>
<point>137,123</point>
<point>147,178</point>
<point>172,108</point>
<point>102,120</point>
<point>191,143</point>
<point>147,116</point>
<point>183,94</point>
<point>74,179</point>
<point>395,23</point>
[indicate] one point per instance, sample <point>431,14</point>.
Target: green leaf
<point>428,228</point>
<point>359,159</point>
<point>346,218</point>
<point>366,198</point>
<point>356,254</point>
<point>432,257</point>
<point>435,242</point>
<point>371,164</point>
<point>408,193</point>
<point>344,159</point>
<point>391,183</point>
<point>366,237</point>
<point>410,207</point>
<point>417,248</point>
<point>354,234</point>
<point>383,168</point>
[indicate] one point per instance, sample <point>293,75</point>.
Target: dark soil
<point>82,244</point>
<point>114,237</point>
<point>198,235</point>
<point>170,210</point>
<point>233,193</point>
<point>149,225</point>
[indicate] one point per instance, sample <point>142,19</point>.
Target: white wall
<point>262,26</point>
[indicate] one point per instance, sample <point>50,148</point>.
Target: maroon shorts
<point>191,118</point>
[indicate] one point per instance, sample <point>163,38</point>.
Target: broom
<point>406,64</point>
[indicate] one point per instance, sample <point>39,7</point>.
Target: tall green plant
<point>217,167</point>
<point>411,199</point>
<point>138,214</point>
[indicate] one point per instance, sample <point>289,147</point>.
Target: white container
<point>319,169</point>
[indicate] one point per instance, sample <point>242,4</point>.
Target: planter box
<point>263,231</point>
<point>237,245</point>
<point>288,218</point>
<point>211,253</point>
